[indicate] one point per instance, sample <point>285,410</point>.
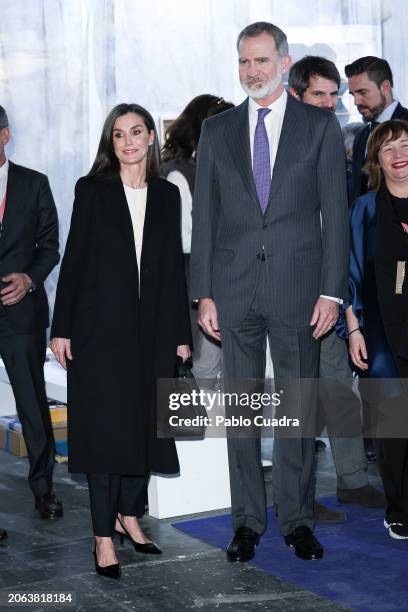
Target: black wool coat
<point>121,342</point>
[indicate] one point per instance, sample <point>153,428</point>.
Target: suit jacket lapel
<point>291,128</point>
<point>237,136</point>
<point>398,113</point>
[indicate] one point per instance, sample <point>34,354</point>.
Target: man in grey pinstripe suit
<point>269,258</point>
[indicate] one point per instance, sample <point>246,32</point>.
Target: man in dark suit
<point>370,81</point>
<point>28,253</point>
<point>316,80</point>
<point>262,266</point>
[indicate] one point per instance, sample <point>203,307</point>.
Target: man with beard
<point>316,80</point>
<point>262,265</point>
<point>370,82</point>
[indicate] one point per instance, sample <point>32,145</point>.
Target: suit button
<point>264,226</point>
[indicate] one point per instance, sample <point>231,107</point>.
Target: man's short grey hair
<point>255,29</point>
<point>3,118</point>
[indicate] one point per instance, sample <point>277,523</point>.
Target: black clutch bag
<point>191,417</point>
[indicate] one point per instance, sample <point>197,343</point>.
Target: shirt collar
<point>387,112</point>
<point>4,169</point>
<point>278,106</point>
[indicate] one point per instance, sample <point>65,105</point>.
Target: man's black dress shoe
<point>3,534</point>
<point>109,571</point>
<point>304,543</point>
<point>242,545</point>
<point>49,506</point>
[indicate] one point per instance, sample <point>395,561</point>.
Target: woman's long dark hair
<point>183,134</point>
<point>106,163</point>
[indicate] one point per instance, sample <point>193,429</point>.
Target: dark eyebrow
<point>131,128</point>
<point>331,93</point>
<point>262,57</point>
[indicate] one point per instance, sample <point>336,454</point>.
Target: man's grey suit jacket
<point>304,231</point>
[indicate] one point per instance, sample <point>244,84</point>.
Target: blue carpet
<point>362,568</point>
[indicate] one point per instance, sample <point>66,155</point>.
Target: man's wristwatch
<point>32,287</point>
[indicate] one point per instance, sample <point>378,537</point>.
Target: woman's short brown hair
<point>384,132</point>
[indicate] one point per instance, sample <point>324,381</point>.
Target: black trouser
<point>392,458</point>
<point>113,494</point>
<point>23,356</point>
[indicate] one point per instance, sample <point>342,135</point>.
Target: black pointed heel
<point>149,548</point>
<point>110,571</point>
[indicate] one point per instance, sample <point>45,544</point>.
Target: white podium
<point>203,483</point>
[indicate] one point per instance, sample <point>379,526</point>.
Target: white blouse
<point>136,199</point>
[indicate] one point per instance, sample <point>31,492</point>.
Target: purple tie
<point>262,164</point>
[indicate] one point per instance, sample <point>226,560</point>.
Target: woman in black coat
<point>120,319</point>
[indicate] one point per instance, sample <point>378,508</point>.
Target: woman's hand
<point>183,351</point>
<point>357,349</point>
<point>61,347</point>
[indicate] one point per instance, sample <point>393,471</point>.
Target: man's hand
<point>325,315</point>
<point>207,318</point>
<point>61,347</point>
<point>357,350</point>
<point>18,286</point>
<point>184,352</point>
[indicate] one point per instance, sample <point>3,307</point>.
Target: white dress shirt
<point>136,199</point>
<point>178,179</point>
<point>3,179</point>
<point>387,113</point>
<point>273,124</point>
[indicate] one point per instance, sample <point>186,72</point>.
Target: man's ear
<point>386,88</point>
<point>286,62</point>
<point>5,135</point>
<point>294,94</point>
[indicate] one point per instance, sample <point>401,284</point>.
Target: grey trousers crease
<point>294,354</point>
<point>340,412</point>
<point>207,353</point>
